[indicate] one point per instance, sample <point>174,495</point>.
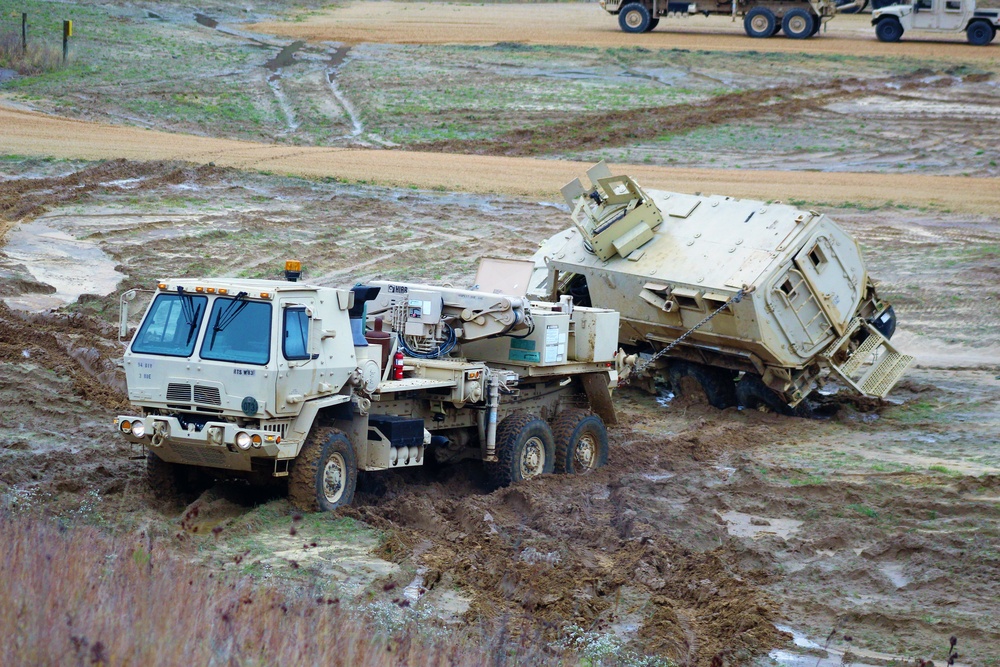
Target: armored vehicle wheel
<point>525,447</point>
<point>798,24</point>
<point>752,393</point>
<point>759,22</point>
<point>717,383</point>
<point>980,33</point>
<point>325,473</point>
<point>888,29</point>
<point>652,24</point>
<point>634,17</point>
<point>581,442</point>
<point>166,480</point>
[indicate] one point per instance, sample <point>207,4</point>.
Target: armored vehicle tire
<point>759,22</point>
<point>581,442</point>
<point>652,24</point>
<point>166,480</point>
<point>633,17</point>
<point>980,33</point>
<point>752,393</point>
<point>888,29</point>
<point>717,383</point>
<point>798,24</point>
<point>525,449</point>
<point>325,474</point>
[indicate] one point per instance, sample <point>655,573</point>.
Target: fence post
<point>24,32</point>
<point>67,33</point>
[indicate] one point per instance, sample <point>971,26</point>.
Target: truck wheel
<point>980,33</point>
<point>325,474</point>
<point>652,24</point>
<point>752,393</point>
<point>581,442</point>
<point>717,383</point>
<point>633,17</point>
<point>777,29</point>
<point>525,447</point>
<point>759,22</point>
<point>888,30</point>
<point>798,24</point>
<point>817,24</point>
<point>166,480</point>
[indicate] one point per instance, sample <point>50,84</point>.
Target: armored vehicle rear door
<point>798,313</point>
<point>836,284</point>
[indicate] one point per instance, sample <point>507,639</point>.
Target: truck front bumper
<point>215,444</point>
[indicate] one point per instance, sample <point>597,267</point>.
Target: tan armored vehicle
<point>274,380</point>
<point>757,301</point>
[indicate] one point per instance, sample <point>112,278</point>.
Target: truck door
<point>297,351</point>
<point>835,284</point>
<point>925,13</point>
<point>953,14</point>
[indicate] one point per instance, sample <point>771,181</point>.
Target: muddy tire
<point>798,24</point>
<point>888,30</point>
<point>167,481</point>
<point>581,442</point>
<point>717,383</point>
<point>752,393</point>
<point>634,18</point>
<point>759,22</point>
<point>325,474</point>
<point>525,449</point>
<point>980,33</point>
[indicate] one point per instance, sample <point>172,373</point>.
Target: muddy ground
<point>710,535</point>
<point>867,536</point>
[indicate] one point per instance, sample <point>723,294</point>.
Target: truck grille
<point>209,395</point>
<point>179,393</point>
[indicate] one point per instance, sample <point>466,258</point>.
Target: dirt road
<point>29,133</point>
<point>586,24</point>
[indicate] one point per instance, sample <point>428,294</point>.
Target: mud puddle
<point>71,266</point>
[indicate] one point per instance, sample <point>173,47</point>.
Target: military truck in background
<point>757,301</point>
<point>272,380</point>
<point>979,25</point>
<point>798,19</point>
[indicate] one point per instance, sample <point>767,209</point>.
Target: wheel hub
<point>633,19</point>
<point>759,23</point>
<point>796,24</point>
<point>586,452</point>
<point>333,478</point>
<point>532,458</point>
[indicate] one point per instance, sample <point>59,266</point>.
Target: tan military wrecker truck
<point>757,301</point>
<point>281,380</point>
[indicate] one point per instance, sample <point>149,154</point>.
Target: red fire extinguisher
<point>397,366</point>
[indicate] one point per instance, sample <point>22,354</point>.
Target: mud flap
<point>599,396</point>
<point>875,366</point>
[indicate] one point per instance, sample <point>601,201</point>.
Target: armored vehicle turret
<point>758,301</point>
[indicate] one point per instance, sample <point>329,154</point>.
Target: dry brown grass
<point>78,596</point>
<point>38,58</point>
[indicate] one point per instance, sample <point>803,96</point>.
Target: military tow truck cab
<point>979,25</point>
<point>272,380</point>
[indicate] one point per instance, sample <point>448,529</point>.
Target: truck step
<point>875,366</point>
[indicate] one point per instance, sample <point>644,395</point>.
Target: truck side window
<point>295,334</point>
<point>924,4</point>
<point>953,6</point>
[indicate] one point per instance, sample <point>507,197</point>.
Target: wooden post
<point>24,32</point>
<point>67,33</point>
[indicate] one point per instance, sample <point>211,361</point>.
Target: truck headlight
<point>138,429</point>
<point>243,440</point>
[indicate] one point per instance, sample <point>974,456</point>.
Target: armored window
<point>295,334</point>
<point>817,257</point>
<point>239,331</point>
<point>953,6</point>
<point>171,326</point>
<point>788,288</point>
<point>924,4</point>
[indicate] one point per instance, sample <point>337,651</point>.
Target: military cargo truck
<point>757,301</point>
<point>272,380</point>
<point>798,19</point>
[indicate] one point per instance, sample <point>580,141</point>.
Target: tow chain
<point>736,298</point>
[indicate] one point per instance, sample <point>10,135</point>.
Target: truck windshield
<point>171,325</point>
<point>238,330</point>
